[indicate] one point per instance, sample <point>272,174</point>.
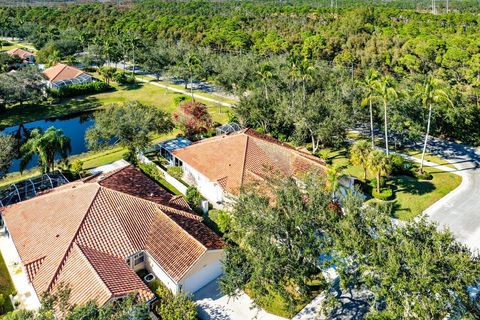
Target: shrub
<point>122,78</point>
<point>373,182</point>
<point>180,99</point>
<point>400,165</point>
<point>176,172</point>
<point>80,89</point>
<point>151,170</point>
<point>193,197</point>
<point>221,219</point>
<point>423,176</point>
<point>171,306</point>
<point>384,194</point>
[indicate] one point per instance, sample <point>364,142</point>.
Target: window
<point>138,258</point>
<point>135,259</point>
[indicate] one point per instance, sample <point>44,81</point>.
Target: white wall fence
<point>174,182</point>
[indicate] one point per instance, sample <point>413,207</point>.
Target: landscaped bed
<point>411,195</point>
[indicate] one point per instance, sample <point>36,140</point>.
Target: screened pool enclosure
<point>29,188</point>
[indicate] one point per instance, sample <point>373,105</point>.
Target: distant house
<point>62,75</point>
<point>94,235</point>
<point>221,165</point>
<point>27,57</point>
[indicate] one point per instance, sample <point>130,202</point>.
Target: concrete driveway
<point>211,304</point>
<point>459,210</point>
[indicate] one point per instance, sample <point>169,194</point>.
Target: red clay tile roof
<point>233,159</point>
<point>20,52</point>
<point>62,72</point>
<point>82,232</point>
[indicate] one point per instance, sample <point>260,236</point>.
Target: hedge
<point>80,89</point>
<point>384,194</point>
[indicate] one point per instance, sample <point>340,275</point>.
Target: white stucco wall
<point>205,270</point>
<point>212,191</point>
<point>153,267</point>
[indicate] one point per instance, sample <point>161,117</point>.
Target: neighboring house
<point>27,57</point>
<point>93,235</point>
<point>62,75</point>
<point>221,165</point>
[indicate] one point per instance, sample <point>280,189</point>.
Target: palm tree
<point>54,58</point>
<point>430,93</point>
<point>334,175</point>
<point>359,155</point>
<point>107,73</point>
<point>46,145</point>
<point>303,71</point>
<point>192,63</point>
<point>379,163</point>
<point>385,92</point>
<point>368,84</point>
<point>265,73</point>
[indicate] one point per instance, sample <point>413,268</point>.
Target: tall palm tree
<point>303,71</point>
<point>385,92</point>
<point>359,155</point>
<point>368,84</point>
<point>46,145</point>
<point>192,63</point>
<point>431,93</point>
<point>265,73</point>
<point>379,163</point>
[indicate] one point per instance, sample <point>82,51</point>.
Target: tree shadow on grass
<point>412,185</point>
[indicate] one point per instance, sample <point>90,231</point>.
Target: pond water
<point>73,127</point>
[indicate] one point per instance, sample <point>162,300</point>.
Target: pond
<point>73,127</point>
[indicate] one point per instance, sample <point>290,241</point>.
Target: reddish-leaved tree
<point>192,118</point>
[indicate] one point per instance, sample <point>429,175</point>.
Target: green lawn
<point>413,196</point>
<point>6,286</point>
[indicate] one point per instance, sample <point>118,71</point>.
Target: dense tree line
<point>232,44</point>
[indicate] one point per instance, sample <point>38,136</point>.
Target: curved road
<point>459,210</point>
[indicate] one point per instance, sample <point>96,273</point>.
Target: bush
<point>80,89</point>
<point>384,194</point>
<point>171,306</point>
<point>193,197</point>
<point>423,176</point>
<point>122,78</point>
<point>221,219</point>
<point>400,165</point>
<point>180,99</point>
<point>176,172</point>
<point>373,182</point>
<point>151,170</point>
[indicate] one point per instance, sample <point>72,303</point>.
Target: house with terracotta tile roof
<point>93,235</point>
<point>220,166</point>
<point>27,57</point>
<point>61,75</point>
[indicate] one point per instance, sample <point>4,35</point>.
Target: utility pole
<point>434,11</point>
<point>448,6</point>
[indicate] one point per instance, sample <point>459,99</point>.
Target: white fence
<point>174,182</point>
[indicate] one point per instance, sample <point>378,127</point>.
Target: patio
<point>26,297</point>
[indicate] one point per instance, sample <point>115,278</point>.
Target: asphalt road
<point>459,210</point>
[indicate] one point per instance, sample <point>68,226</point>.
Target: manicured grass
<point>199,93</point>
<point>429,157</point>
<point>413,196</point>
<point>6,285</point>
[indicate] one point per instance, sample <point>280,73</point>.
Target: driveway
<point>211,304</point>
<point>460,209</point>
